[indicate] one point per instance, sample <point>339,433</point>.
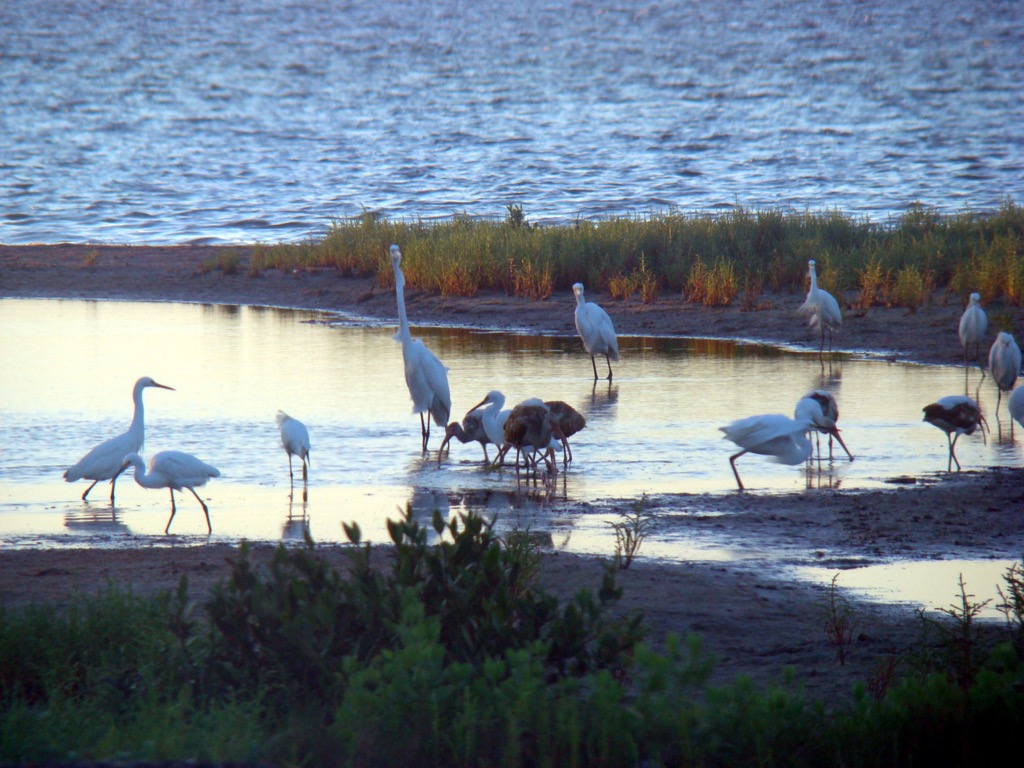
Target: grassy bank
<point>713,259</point>
<point>448,654</point>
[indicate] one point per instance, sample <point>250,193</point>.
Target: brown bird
<point>955,415</point>
<point>570,421</point>
<point>532,426</point>
<point>471,429</point>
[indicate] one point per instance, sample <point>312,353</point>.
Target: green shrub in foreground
<point>399,663</point>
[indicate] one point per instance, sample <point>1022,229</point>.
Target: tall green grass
<point>758,249</point>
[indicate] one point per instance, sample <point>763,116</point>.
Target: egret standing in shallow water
<point>295,441</point>
<point>104,461</point>
<point>823,312</point>
<point>173,470</point>
<point>493,418</point>
<point>973,324</point>
<point>1004,361</point>
<point>596,330</point>
<point>955,415</point>
<point>769,434</point>
<point>425,375</point>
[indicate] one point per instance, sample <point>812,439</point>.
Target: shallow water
<point>165,121</point>
<point>70,367</point>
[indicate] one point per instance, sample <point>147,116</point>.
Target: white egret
<point>173,470</point>
<point>470,430</point>
<point>104,461</point>
<point>823,312</point>
<point>1016,406</point>
<point>1004,362</point>
<point>596,330</point>
<point>295,441</point>
<point>973,324</point>
<point>955,415</point>
<point>425,375</point>
<point>819,407</point>
<point>769,434</point>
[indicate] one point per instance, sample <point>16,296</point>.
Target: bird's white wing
<point>427,378</point>
<point>753,431</point>
<point>181,469</point>
<point>103,461</point>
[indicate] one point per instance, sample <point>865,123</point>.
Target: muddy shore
<point>753,617</point>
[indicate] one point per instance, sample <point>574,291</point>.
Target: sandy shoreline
<point>753,617</point>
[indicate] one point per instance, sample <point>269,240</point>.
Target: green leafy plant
<point>630,533</point>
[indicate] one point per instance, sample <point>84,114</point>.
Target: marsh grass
<point>839,622</point>
<point>707,256</point>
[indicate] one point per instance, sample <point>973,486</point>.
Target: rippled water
<point>245,120</point>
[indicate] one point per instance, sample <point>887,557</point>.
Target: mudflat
<point>755,616</point>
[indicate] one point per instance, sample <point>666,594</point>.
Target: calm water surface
<point>167,121</point>
<point>70,366</point>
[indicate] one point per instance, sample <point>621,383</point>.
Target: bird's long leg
<point>113,485</point>
<point>821,349</point>
<point>999,399</point>
<point>425,429</point>
<point>837,437</point>
<point>732,460</point>
<point>484,446</point>
<point>291,476</point>
<point>952,452</point>
<point>173,510</point>
<point>595,367</point>
<point>609,361</point>
<point>206,510</point>
<point>90,488</point>
<point>304,474</point>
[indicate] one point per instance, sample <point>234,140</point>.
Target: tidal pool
<point>69,367</point>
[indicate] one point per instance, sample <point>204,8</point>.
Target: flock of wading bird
<point>537,428</point>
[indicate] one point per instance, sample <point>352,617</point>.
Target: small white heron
<point>955,415</point>
<point>295,441</point>
<point>973,324</point>
<point>173,470</point>
<point>596,331</point>
<point>769,434</point>
<point>425,375</point>
<point>104,461</point>
<point>823,312</point>
<point>1004,361</point>
<point>1016,406</point>
<point>820,408</point>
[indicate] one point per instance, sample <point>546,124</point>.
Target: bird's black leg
<point>89,489</point>
<point>609,361</point>
<point>595,367</point>
<point>291,475</point>
<point>173,510</point>
<point>206,511</point>
<point>113,484</point>
<point>305,475</point>
<point>732,461</point>
<point>425,429</point>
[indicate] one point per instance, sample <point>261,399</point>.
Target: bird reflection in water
<point>296,525</point>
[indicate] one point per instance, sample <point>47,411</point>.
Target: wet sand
<point>753,615</point>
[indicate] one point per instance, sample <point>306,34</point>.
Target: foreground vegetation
<point>448,654</point>
<point>712,259</point>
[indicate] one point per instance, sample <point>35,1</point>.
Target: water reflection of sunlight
<point>653,430</point>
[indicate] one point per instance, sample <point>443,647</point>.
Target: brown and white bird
<point>819,407</point>
<point>955,415</point>
<point>532,427</point>
<point>570,421</point>
<point>470,430</point>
